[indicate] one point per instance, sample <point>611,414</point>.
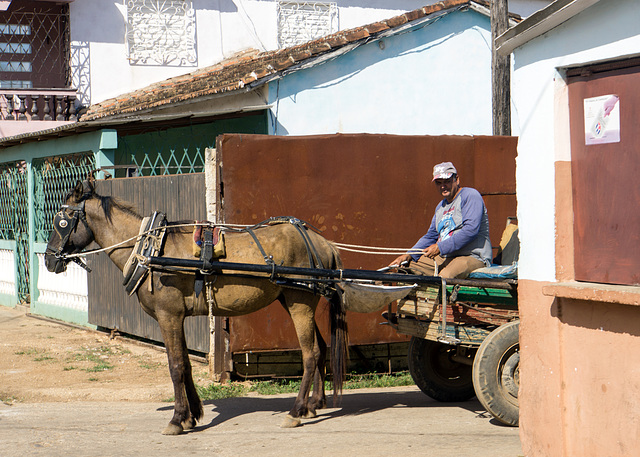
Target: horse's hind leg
<point>301,307</point>
<point>318,400</point>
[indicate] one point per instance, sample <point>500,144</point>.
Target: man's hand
<point>399,260</point>
<point>432,251</point>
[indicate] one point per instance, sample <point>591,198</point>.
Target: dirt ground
<point>74,392</point>
<point>41,361</point>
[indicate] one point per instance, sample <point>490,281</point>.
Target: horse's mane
<point>108,204</point>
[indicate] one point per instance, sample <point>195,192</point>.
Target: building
<point>61,57</point>
<point>575,79</point>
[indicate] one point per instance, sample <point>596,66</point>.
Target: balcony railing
<point>38,105</point>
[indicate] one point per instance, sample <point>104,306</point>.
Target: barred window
<point>161,32</point>
<point>34,46</point>
<point>299,22</point>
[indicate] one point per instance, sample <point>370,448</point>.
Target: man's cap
<point>444,170</point>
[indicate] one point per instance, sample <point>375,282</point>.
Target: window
<point>299,22</point>
<point>161,32</point>
<point>34,46</point>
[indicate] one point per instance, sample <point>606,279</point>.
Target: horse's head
<point>71,232</point>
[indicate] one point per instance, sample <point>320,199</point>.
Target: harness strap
<point>314,258</point>
<point>149,244</point>
<point>267,258</point>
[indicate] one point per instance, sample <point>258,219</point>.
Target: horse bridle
<point>64,225</point>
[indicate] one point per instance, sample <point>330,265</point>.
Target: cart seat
<point>505,264</point>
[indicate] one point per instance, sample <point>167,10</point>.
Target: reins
<point>362,249</point>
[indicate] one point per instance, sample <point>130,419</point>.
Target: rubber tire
<point>496,376</point>
<point>436,374</point>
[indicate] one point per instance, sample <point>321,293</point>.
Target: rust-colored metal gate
<point>358,189</point>
<point>605,176</point>
<point>181,197</point>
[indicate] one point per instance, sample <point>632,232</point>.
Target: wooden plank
<point>432,330</point>
<point>421,305</point>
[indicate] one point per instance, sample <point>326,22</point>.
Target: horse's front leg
<point>302,314</point>
<point>187,405</point>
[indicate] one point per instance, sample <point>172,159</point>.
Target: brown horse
<point>87,216</point>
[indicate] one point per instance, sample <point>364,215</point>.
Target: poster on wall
<point>602,119</point>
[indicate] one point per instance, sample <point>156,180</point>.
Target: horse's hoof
<point>172,429</point>
<point>290,421</point>
<point>310,414</point>
<point>189,424</point>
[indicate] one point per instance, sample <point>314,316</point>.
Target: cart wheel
<point>496,373</point>
<point>437,374</point>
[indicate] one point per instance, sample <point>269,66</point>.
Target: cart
<point>464,342</point>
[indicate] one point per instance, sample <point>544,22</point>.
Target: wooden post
<point>220,361</point>
<point>500,71</point>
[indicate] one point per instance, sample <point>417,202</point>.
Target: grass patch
<point>40,355</point>
<point>8,399</point>
<point>43,358</point>
<point>99,366</point>
<point>148,365</point>
<point>364,381</point>
<point>29,351</point>
<point>216,392</point>
<point>280,386</point>
<point>98,356</point>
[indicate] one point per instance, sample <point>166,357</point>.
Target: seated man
<point>458,239</point>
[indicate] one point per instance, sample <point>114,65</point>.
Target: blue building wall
<point>433,79</point>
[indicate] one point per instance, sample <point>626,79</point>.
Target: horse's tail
<point>339,334</point>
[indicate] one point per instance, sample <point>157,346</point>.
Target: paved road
<point>370,422</point>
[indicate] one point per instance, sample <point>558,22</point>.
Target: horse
<point>169,296</point>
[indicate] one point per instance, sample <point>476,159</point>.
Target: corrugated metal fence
<point>180,197</point>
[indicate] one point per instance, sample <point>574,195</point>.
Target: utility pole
<point>500,71</point>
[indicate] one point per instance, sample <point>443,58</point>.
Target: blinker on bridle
<point>64,225</point>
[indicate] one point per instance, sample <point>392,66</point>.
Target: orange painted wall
<point>580,356</point>
<point>580,375</point>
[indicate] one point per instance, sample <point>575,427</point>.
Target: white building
<point>578,197</point>
<point>71,54</point>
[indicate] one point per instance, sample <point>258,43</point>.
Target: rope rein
<point>361,249</point>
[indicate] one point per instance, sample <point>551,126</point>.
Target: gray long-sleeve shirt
<point>460,228</point>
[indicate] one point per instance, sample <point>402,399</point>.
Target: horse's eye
<point>62,223</point>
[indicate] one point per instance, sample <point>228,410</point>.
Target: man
<point>458,239</point>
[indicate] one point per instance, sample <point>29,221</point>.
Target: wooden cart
<point>464,342</point>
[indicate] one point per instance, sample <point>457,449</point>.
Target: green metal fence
<point>167,152</point>
<point>52,178</point>
<point>14,218</point>
<point>179,150</point>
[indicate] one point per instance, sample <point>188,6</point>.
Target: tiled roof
<point>240,71</point>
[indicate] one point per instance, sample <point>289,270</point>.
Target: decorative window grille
<point>34,43</point>
<point>300,22</point>
<point>161,32</point>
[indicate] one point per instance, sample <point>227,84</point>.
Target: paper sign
<point>602,119</point>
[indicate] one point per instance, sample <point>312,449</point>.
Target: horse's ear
<point>78,191</point>
<point>89,184</point>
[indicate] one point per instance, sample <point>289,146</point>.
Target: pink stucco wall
<point>580,374</point>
